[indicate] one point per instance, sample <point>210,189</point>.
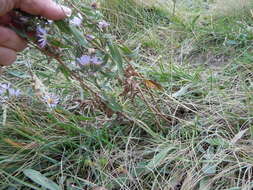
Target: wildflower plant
<point>81,45</point>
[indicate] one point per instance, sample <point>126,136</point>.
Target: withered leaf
<point>152,85</point>
<point>20,145</point>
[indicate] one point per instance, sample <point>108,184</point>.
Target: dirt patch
<point>210,60</point>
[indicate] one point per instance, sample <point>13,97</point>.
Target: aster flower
<point>84,60</point>
<point>73,63</point>
<point>2,91</point>
<point>90,37</point>
<point>6,92</point>
<point>76,21</point>
<point>50,22</point>
<point>103,24</point>
<point>14,92</point>
<point>51,100</point>
<point>42,36</point>
<point>95,60</point>
<point>3,88</point>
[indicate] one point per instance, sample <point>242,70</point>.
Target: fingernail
<point>66,10</point>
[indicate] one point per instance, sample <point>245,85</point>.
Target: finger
<point>46,8</point>
<point>11,40</point>
<point>7,56</point>
<point>6,6</point>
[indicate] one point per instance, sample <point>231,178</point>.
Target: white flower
<point>77,20</point>
<point>51,100</point>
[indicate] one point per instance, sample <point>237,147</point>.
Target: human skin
<point>10,42</point>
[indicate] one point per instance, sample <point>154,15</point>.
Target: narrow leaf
<point>116,56</point>
<point>159,158</point>
<point>63,26</point>
<point>38,178</point>
<point>79,37</point>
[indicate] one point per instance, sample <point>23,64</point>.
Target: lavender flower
<point>4,86</point>
<point>6,92</point>
<point>14,92</point>
<point>103,24</point>
<point>51,100</point>
<point>73,63</point>
<point>42,37</point>
<point>84,60</point>
<point>90,37</point>
<point>76,21</point>
<point>1,91</point>
<point>95,60</point>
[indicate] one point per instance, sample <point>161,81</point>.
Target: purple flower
<point>84,60</point>
<point>13,92</point>
<point>51,100</point>
<point>95,60</point>
<point>103,24</point>
<point>3,88</point>
<point>42,37</point>
<point>90,37</point>
<point>73,63</point>
<point>1,91</point>
<point>76,21</point>
<point>7,92</point>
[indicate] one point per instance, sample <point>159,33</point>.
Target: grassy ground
<point>195,133</point>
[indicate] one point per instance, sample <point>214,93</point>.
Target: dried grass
<point>233,7</point>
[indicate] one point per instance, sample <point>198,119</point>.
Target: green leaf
<point>209,168</point>
<point>24,184</point>
<point>79,37</point>
<point>210,165</point>
<point>217,142</point>
<point>64,71</point>
<point>128,52</point>
<point>194,21</point>
<point>18,74</point>
<point>38,178</point>
<point>111,103</point>
<point>63,26</point>
<point>116,57</point>
<point>159,158</point>
<point>59,44</point>
<point>181,92</point>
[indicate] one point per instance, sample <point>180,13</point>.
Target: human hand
<point>10,42</point>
